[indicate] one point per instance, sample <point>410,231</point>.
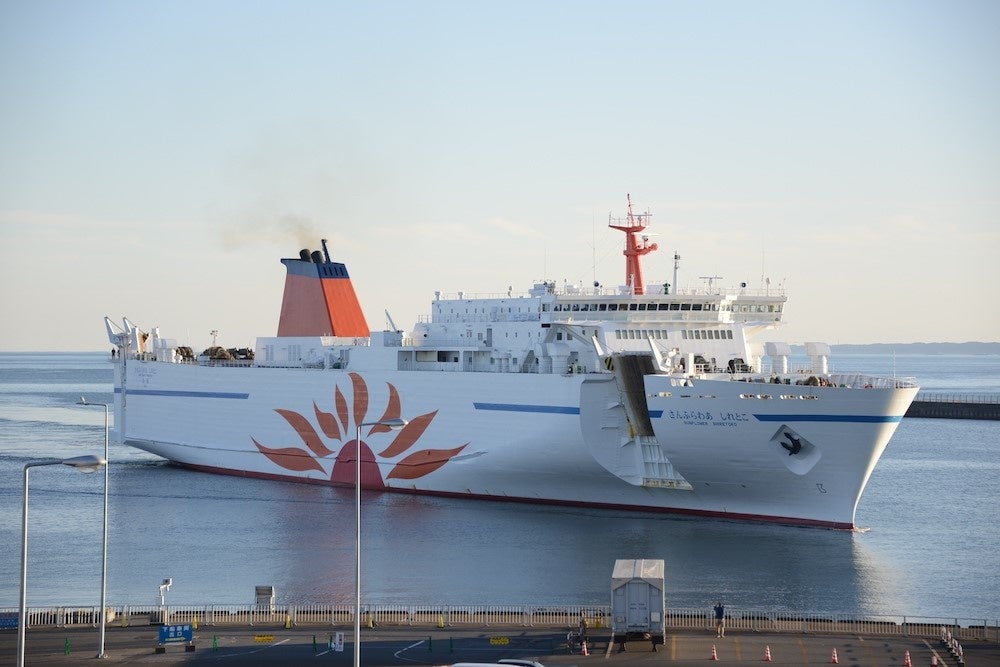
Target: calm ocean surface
<point>932,547</point>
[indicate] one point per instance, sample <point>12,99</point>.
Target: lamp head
<point>86,463</point>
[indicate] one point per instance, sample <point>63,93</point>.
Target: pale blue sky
<point>157,159</point>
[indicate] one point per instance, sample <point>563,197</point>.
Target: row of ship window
<point>707,334</point>
<point>736,308</point>
<point>604,307</point>
<point>660,334</point>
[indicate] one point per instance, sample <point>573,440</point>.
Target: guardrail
<point>952,397</point>
<point>450,616</point>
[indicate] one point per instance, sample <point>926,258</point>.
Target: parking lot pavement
<point>227,645</point>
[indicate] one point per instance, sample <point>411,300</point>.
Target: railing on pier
<point>485,616</point>
<point>953,397</point>
<point>955,406</point>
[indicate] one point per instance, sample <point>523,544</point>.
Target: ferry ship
<point>641,397</point>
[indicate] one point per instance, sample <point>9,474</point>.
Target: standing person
<point>720,619</point>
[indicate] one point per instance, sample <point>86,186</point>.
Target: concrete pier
<point>278,645</point>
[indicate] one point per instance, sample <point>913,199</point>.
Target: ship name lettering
<point>691,415</point>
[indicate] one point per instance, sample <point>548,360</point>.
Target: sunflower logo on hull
<point>341,424</point>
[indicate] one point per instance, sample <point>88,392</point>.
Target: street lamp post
<point>104,546</point>
<point>88,463</point>
<point>395,425</point>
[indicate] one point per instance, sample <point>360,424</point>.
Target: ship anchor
<point>794,445</point>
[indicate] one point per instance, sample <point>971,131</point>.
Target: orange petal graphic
<point>341,408</point>
<point>392,411</point>
<point>305,430</point>
<point>408,435</point>
<point>327,422</point>
<point>423,463</point>
<point>360,398</point>
<point>290,458</point>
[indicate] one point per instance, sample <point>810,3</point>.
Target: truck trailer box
<point>638,600</point>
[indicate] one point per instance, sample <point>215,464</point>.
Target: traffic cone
<point>715,656</point>
<point>767,653</point>
<point>583,648</point>
<point>833,658</point>
<point>934,661</point>
<point>906,659</point>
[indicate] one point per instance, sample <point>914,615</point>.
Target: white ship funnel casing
<point>779,354</point>
<point>819,356</point>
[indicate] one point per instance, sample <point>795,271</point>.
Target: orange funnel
<point>319,298</point>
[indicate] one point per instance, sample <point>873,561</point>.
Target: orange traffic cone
<point>833,658</point>
<point>583,648</point>
<point>906,659</point>
<point>715,656</point>
<point>767,654</point>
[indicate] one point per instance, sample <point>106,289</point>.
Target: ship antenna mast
<point>677,265</point>
<point>635,247</point>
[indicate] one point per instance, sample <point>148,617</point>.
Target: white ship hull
<point>540,438</point>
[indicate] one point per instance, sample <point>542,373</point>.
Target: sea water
<point>929,546</point>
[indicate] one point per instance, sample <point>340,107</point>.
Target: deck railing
<point>457,616</point>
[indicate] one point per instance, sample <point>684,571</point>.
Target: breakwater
<point>955,406</point>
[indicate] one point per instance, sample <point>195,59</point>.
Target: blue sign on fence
<point>7,622</point>
<point>176,633</point>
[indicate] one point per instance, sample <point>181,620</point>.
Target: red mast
<point>634,246</point>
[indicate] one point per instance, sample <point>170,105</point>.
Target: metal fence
<point>955,397</point>
<point>458,616</point>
